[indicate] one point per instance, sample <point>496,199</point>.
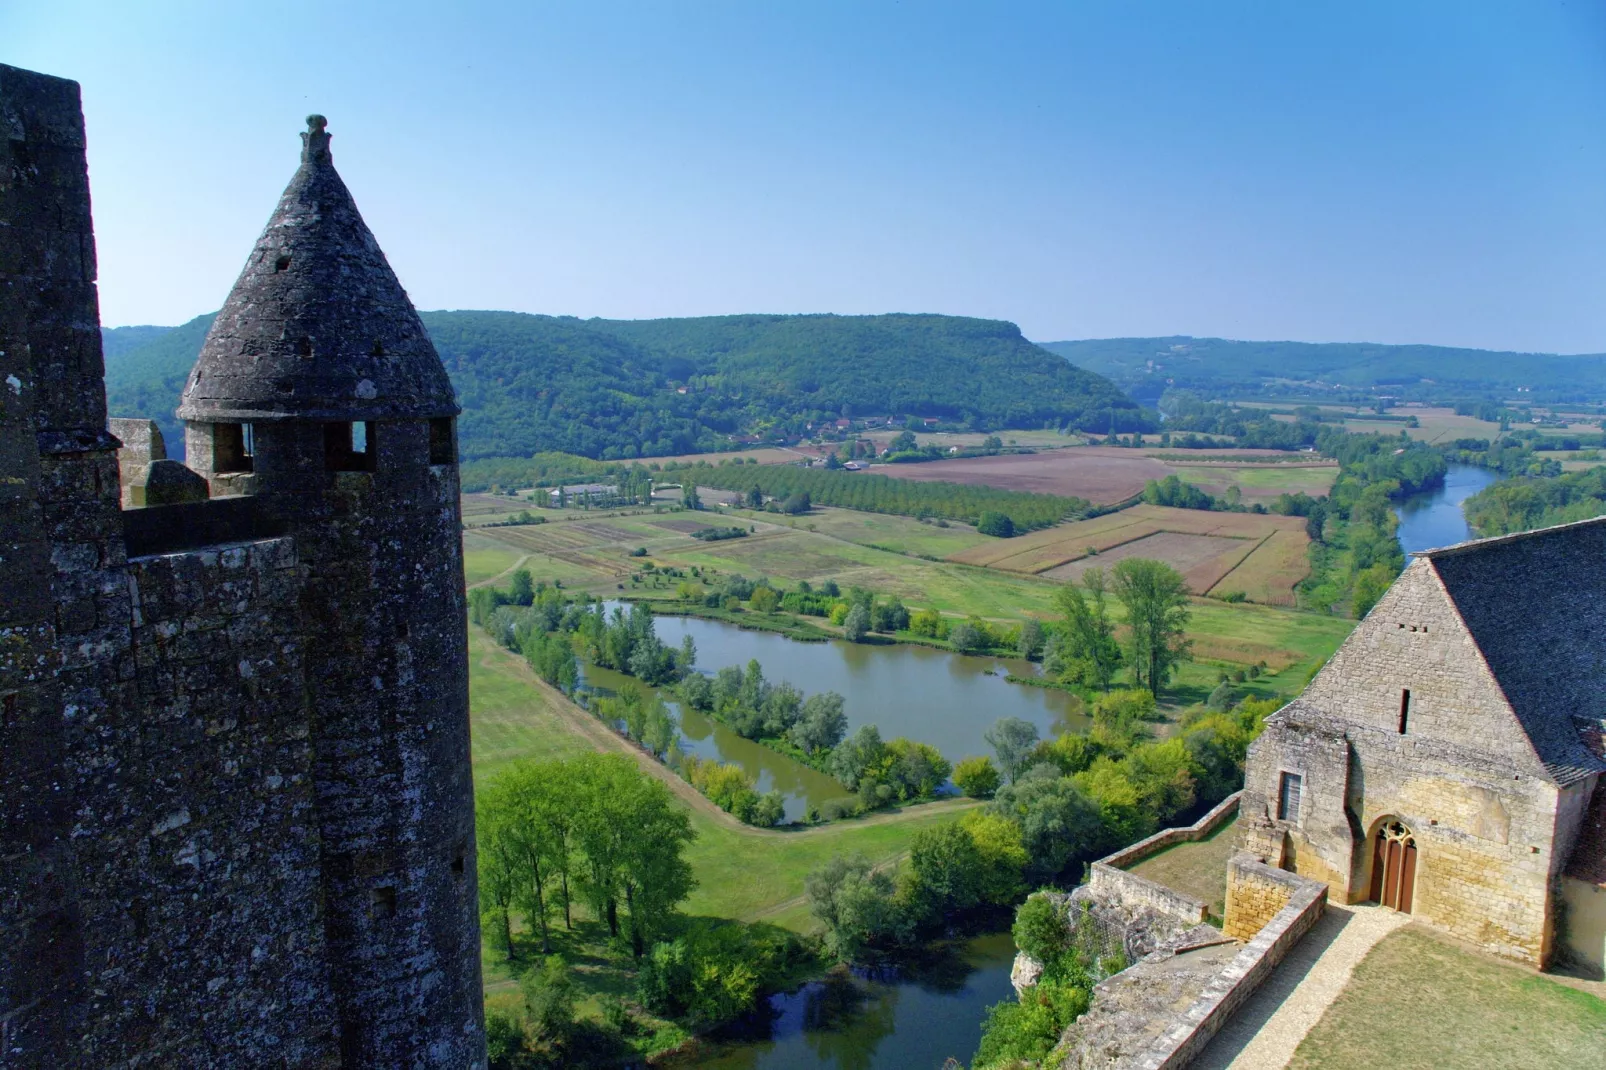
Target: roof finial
<point>315,142</point>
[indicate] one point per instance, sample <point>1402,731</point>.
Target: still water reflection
<point>947,700</point>
<point>914,1016</point>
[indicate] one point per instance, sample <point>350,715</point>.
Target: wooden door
<point>1394,867</point>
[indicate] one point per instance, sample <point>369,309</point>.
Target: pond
<point>911,1018</point>
<point>1433,518</point>
<point>947,700</point>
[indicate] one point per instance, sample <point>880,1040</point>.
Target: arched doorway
<point>1394,865</point>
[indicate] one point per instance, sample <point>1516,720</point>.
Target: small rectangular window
<point>348,447</point>
<point>1288,797</point>
<point>1405,710</point>
<point>442,441</point>
<point>382,902</point>
<point>233,447</point>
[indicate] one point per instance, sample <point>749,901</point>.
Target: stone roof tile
<point>1535,604</point>
<point>317,327</point>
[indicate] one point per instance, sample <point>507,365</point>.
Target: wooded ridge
<point>618,389</point>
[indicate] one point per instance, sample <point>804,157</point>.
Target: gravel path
<point>1267,1029</point>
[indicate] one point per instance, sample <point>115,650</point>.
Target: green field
<point>592,552</point>
<point>742,872</point>
<point>1419,1001</point>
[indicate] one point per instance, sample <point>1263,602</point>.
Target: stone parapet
<point>1195,1027</point>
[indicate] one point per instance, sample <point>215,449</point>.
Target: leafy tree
<point>1156,600</point>
<point>1013,740</point>
<point>1089,635</point>
<point>689,496</point>
<point>903,443</point>
<point>976,777</point>
<point>1120,715</point>
<point>755,498</point>
<point>521,588</point>
<point>857,755</point>
<point>856,624</point>
<point>820,724</point>
<point>946,870</point>
<point>998,525</point>
<point>855,904</point>
<point>966,637</point>
<point>1003,855</point>
<point>1031,639</point>
<point>498,871</point>
<point>549,1000</point>
<point>1057,821</point>
<point>1041,929</point>
<point>764,600</point>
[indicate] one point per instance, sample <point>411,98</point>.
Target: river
<point>909,1018</point>
<point>1433,518</point>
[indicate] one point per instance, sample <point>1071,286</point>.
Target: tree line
<point>873,493</point>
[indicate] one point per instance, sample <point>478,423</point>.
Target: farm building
<point>1447,762</point>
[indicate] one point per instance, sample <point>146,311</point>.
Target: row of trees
<point>593,829</point>
<point>871,493</point>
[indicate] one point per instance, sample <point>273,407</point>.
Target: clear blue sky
<point>1397,172</point>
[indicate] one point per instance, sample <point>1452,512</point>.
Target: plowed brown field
<point>1262,556</point>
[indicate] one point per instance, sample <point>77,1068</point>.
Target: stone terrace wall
<point>1109,879</point>
<point>1222,997</point>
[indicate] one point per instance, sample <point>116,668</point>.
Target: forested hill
<point>649,388</point>
<point>1220,367</point>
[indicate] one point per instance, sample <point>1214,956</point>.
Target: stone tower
<point>318,393</point>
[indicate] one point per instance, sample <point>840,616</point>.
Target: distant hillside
<point>1415,372</point>
<point>650,388</point>
<point>116,341</point>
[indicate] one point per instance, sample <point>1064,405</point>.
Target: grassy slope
<point>1420,1001</point>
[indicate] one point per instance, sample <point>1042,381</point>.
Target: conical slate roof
<point>317,327</point>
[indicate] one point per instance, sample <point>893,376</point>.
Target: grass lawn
<point>484,558</point>
<point>1197,869</point>
<point>1418,1000</point>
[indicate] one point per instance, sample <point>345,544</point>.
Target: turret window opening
<point>349,447</point>
<point>233,448</point>
<point>1405,710</point>
<point>442,441</point>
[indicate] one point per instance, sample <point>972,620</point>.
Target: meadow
<point>593,552</point>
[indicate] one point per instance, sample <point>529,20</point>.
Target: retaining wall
<point>1110,880</point>
<point>1195,1027</point>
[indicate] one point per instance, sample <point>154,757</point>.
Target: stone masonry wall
<point>64,671</point>
<point>1491,831</point>
<point>1254,896</point>
<point>215,868</point>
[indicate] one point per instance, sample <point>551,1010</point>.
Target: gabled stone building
<point>1447,760</point>
<point>236,808</point>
